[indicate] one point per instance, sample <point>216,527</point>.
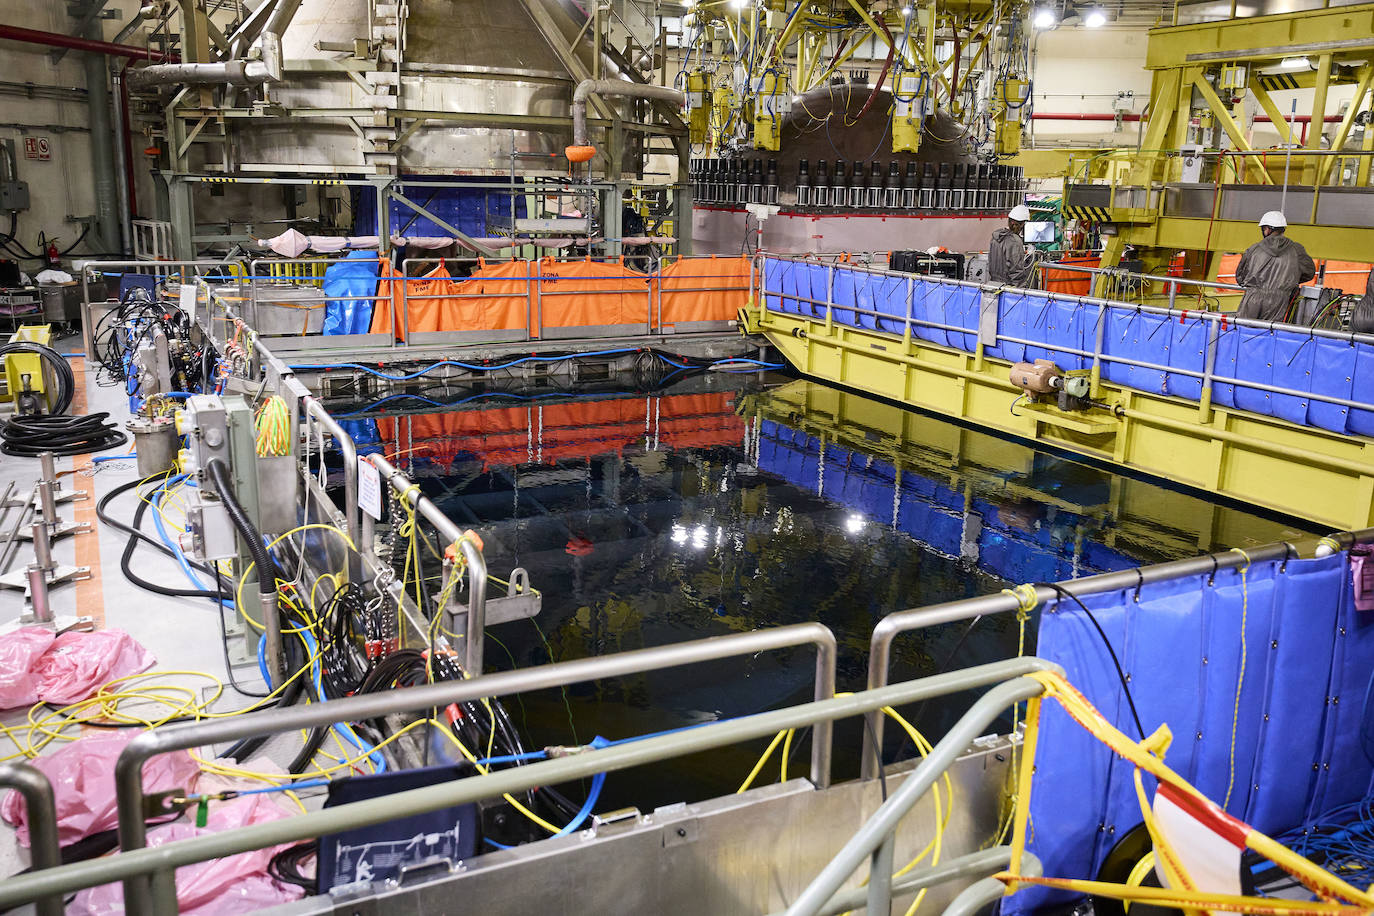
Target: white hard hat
<point>1275,219</point>
<point>1019,213</point>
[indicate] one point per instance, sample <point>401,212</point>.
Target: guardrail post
<point>1099,334</point>
<point>41,810</point>
<point>1209,369</point>
<point>880,877</point>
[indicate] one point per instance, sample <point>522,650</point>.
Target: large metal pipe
<point>232,72</point>
<point>613,87</point>
<point>106,226</point>
<point>123,186</point>
<point>58,40</point>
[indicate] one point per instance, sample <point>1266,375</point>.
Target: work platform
<point>1281,423</point>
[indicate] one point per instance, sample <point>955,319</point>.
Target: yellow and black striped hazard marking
<point>215,179</point>
<point>1095,214</point>
<point>329,181</point>
<point>1271,81</point>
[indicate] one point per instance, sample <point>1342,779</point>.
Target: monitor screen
<point>1039,232</point>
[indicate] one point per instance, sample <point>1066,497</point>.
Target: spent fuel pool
<point>726,503</point>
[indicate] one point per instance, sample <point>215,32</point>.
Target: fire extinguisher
<point>54,256</point>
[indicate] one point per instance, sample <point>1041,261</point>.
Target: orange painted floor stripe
<point>90,594</point>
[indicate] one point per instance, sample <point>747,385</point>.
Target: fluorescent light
<point>1295,63</point>
<point>1045,18</point>
<point>906,11</point>
<point>1095,17</point>
<point>739,4</point>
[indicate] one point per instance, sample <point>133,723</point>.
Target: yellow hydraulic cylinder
<point>771,108</point>
<point>698,106</point>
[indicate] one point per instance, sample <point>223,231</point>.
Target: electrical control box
<point>14,195</point>
<point>209,531</point>
<point>205,424</point>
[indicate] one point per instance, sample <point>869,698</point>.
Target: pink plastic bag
<point>237,884</point>
<point>82,777</point>
<point>77,664</point>
<point>19,652</point>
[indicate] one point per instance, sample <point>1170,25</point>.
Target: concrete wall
<point>63,185</point>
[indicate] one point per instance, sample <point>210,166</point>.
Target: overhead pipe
<point>236,72</point>
<point>93,46</point>
<point>581,150</point>
<point>232,72</point>
<point>1100,116</point>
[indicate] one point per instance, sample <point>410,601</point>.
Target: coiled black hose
<point>28,437</point>
<point>66,379</point>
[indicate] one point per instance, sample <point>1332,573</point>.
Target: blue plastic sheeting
<point>1187,353</point>
<point>931,512</point>
<point>355,275</point>
<point>1056,325</point>
<point>1284,637</point>
<point>466,209</point>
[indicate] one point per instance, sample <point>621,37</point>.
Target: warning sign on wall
<point>37,148</point>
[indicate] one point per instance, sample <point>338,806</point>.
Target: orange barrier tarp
<point>504,291</point>
<point>421,312</point>
<point>582,293</point>
<point>1071,282</point>
<point>683,296</point>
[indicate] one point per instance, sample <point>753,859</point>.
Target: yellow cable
<point>758,767</point>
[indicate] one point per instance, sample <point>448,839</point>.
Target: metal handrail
<point>148,744</point>
<point>41,809</point>
<point>876,840</point>
<point>972,865</point>
<point>475,629</point>
<point>153,267</point>
<point>315,410</point>
<point>911,620</point>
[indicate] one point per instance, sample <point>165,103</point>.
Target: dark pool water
<point>728,503</point>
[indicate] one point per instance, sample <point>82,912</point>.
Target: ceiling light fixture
<point>1295,63</point>
<point>1044,18</point>
<point>1095,17</point>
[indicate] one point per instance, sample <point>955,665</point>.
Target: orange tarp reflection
<point>542,434</point>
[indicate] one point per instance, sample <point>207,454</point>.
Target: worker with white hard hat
<point>1009,261</point>
<point>1271,270</point>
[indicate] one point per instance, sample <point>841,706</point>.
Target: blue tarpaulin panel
<point>1141,338</point>
<point>928,305</point>
<point>1280,640</point>
<point>1333,375</point>
<point>1255,363</point>
<point>355,275</point>
<point>1014,310</point>
<point>1362,421</point>
<point>1189,354</point>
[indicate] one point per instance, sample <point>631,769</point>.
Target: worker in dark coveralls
<point>1271,271</point>
<point>1009,261</point>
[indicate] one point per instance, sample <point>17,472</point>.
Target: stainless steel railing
<point>133,811</point>
<point>876,840</point>
<point>148,873</point>
<point>41,811</point>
